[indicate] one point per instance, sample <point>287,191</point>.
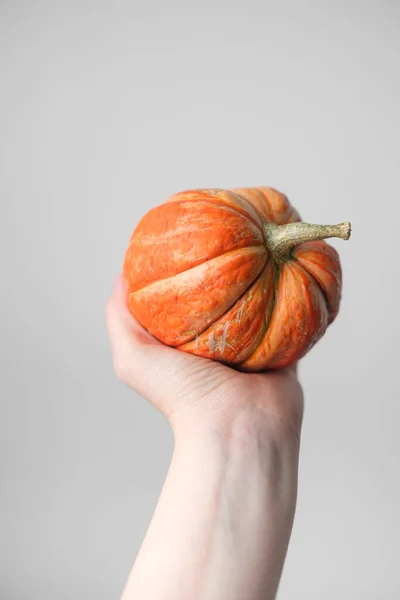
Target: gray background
<point>106,110</point>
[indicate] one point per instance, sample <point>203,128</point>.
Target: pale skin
<point>223,521</point>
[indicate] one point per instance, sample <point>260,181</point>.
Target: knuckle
<point>109,309</point>
<point>121,370</point>
<point>124,368</point>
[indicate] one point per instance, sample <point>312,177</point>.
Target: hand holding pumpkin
<point>193,392</point>
<point>232,276</point>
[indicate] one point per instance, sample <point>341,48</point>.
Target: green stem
<point>280,239</point>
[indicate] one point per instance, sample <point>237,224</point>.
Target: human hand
<point>196,392</point>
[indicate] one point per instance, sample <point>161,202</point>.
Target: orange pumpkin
<point>234,276</point>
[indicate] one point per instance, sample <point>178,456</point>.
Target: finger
<point>161,374</point>
<point>128,338</point>
<point>292,369</point>
<point>120,322</point>
<point>140,360</point>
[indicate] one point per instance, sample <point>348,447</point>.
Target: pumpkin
<point>234,276</point>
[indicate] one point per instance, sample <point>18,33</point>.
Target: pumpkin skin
<point>201,279</point>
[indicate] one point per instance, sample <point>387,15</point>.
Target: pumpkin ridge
<point>239,209</point>
<point>277,275</point>
<point>201,263</point>
<point>297,271</point>
<point>152,256</point>
<point>255,266</point>
<point>259,276</point>
<point>317,264</point>
<point>315,280</point>
<point>257,219</point>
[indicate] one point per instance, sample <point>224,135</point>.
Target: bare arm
<point>223,521</point>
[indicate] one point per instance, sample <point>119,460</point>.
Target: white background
<point>106,109</point>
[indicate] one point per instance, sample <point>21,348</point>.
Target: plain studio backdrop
<point>107,108</point>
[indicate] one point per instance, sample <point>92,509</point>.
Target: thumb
<point>124,331</point>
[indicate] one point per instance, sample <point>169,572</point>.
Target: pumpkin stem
<point>280,239</point>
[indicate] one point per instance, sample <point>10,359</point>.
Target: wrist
<point>254,445</point>
<point>267,405</point>
<point>237,429</point>
<point>245,471</point>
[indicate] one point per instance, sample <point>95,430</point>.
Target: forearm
<point>223,521</point>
